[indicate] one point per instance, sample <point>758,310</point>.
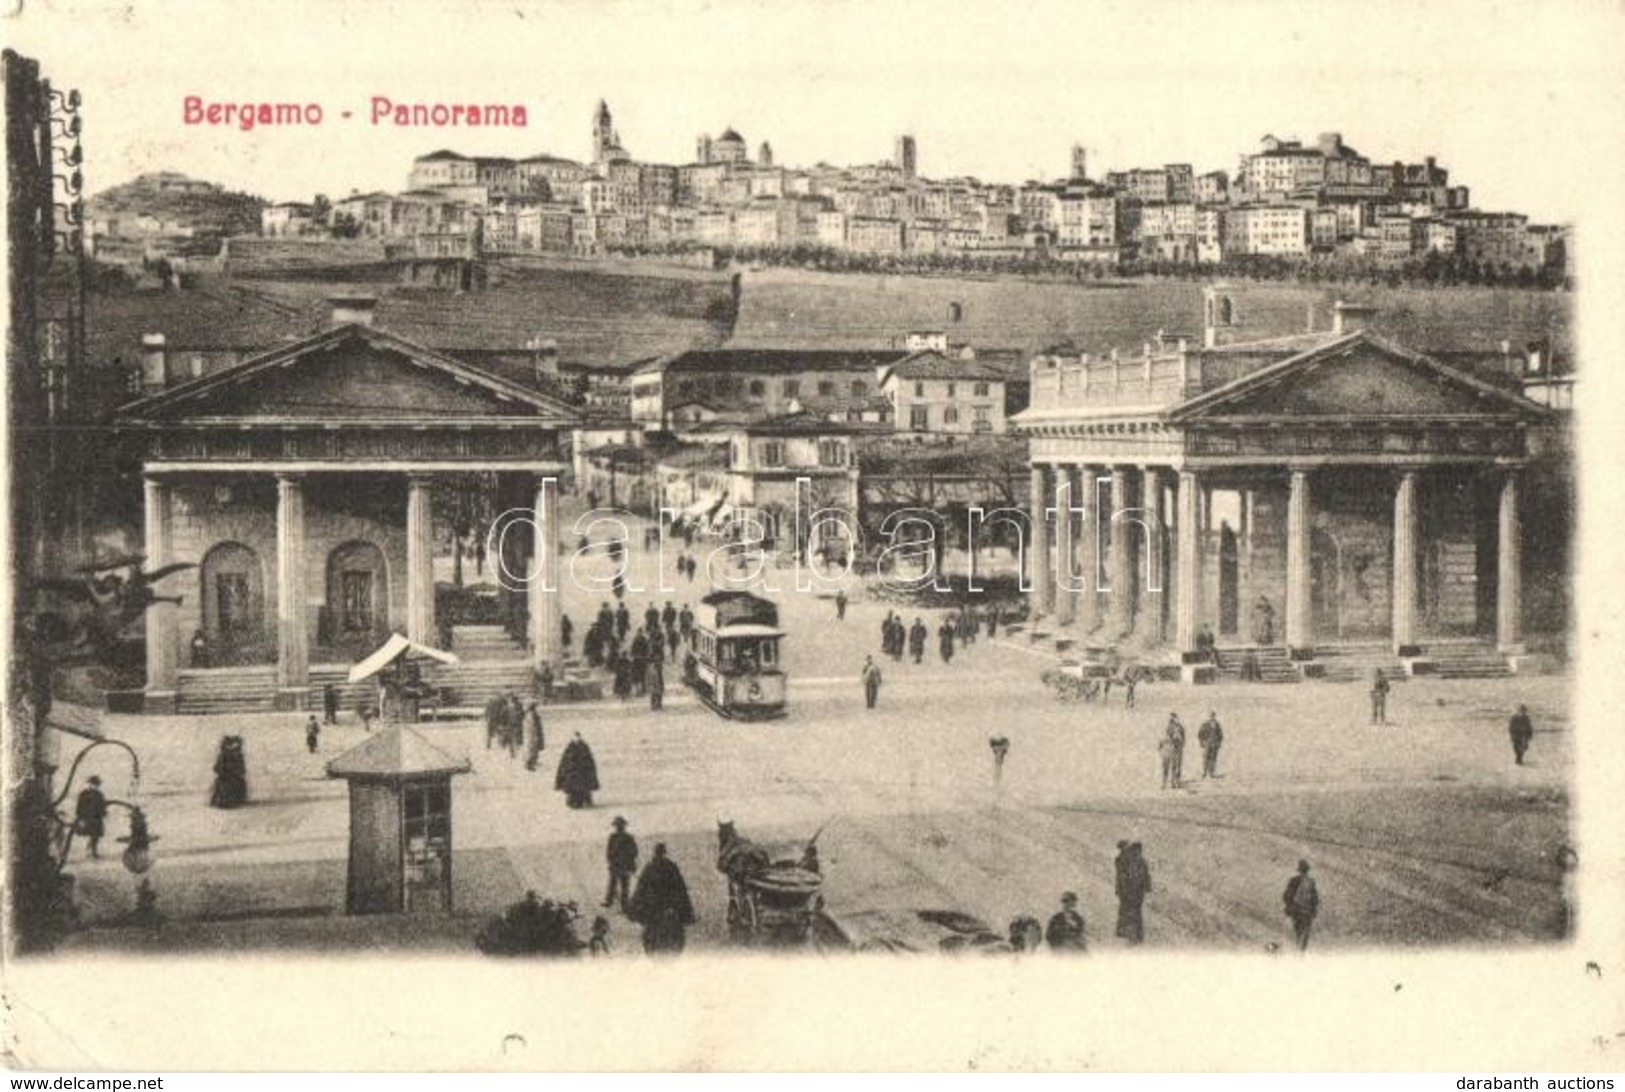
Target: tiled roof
<point>398,752</point>
<point>778,361</point>
<point>930,364</point>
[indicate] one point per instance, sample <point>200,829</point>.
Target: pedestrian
<point>668,617</point>
<point>1065,933</point>
<point>661,904</point>
<point>230,775</point>
<point>840,605</point>
<point>871,682</point>
<point>313,734</point>
<point>513,725</point>
<point>916,640</point>
<point>1211,737</point>
<point>651,617</point>
<point>1133,885</point>
<point>200,649</point>
<point>685,622</point>
<point>1130,681</point>
<point>623,620</point>
<point>90,815</point>
<point>566,631</point>
<point>535,738</point>
<point>330,704</point>
<point>1379,697</point>
<point>577,776</point>
<point>654,681</point>
<point>945,640</point>
<point>496,715</point>
<point>1301,900</point>
<point>621,854</point>
<point>1000,747</point>
<point>1522,730</point>
<point>542,682</point>
<point>1176,732</point>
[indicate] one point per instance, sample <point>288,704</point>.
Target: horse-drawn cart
<point>770,901</point>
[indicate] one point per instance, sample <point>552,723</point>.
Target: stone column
<point>1123,534</point>
<point>1088,498</point>
<point>1189,575</point>
<point>163,654</point>
<point>420,561</point>
<point>1065,567</point>
<point>1038,559</point>
<point>543,589</point>
<point>1154,610</point>
<point>1509,569</point>
<point>292,638</point>
<point>1300,613</point>
<point>1405,530</point>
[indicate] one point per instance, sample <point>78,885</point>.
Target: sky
<point>1519,101</point>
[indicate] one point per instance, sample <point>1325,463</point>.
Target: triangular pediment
<point>1355,377</point>
<point>350,373</point>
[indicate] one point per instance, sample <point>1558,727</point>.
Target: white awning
<point>394,649</point>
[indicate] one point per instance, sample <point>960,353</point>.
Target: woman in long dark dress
<point>230,775</point>
<point>1133,885</point>
<point>660,903</point>
<point>577,776</point>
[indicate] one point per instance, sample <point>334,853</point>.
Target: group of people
<point>659,901</point>
<point>638,668</point>
<point>1067,932</point>
<point>957,628</point>
<point>511,723</point>
<point>1171,749</point>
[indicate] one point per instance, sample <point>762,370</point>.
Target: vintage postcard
<point>813,537</point>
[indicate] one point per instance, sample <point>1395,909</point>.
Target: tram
<point>732,661</point>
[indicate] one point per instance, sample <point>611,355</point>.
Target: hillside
<point>201,206</point>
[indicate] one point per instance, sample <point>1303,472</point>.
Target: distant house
<point>930,391</point>
<point>287,218</point>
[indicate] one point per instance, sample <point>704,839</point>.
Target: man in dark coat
<point>685,621</point>
<point>1301,900</point>
<point>661,904</point>
<point>871,682</point>
<point>668,617</point>
<point>651,617</point>
<point>330,704</point>
<point>885,635</point>
<point>1065,932</point>
<point>622,856</point>
<point>945,640</point>
<point>577,776</point>
<point>535,738</point>
<point>623,622</point>
<point>1133,885</point>
<point>496,719</point>
<point>1211,736</point>
<point>916,640</point>
<point>654,681</point>
<point>1379,697</point>
<point>840,605</point>
<point>566,631</point>
<point>90,815</point>
<point>230,775</point>
<point>1522,730</point>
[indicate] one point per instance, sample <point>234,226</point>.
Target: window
<point>792,387</point>
<point>773,453</point>
<point>825,388</point>
<point>860,389</point>
<point>950,416</point>
<point>919,390</point>
<point>918,420</point>
<point>950,390</point>
<point>981,390</point>
<point>831,453</point>
<point>757,388</point>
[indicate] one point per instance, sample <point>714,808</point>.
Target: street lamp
<point>138,852</point>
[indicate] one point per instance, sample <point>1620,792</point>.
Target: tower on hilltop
<point>906,159</point>
<point>1080,163</point>
<point>603,133</point>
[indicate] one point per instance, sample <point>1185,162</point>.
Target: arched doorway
<point>233,601</point>
<point>1326,584</point>
<point>355,619</point>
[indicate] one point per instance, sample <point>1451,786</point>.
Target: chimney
<point>359,310</point>
<point>545,354</point>
<point>154,363</point>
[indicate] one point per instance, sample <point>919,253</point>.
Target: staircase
<point>1355,663</point>
<point>480,643</point>
<point>472,683</point>
<point>204,691</point>
<point>1274,665</point>
<point>351,694</point>
<point>1467,660</point>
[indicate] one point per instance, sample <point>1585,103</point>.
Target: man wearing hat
<point>622,854</point>
<point>1065,932</point>
<point>90,815</point>
<point>1301,900</point>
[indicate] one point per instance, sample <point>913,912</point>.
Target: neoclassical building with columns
<point>302,481</point>
<point>1294,495</point>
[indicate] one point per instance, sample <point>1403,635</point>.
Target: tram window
<point>769,652</point>
<point>725,654</point>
